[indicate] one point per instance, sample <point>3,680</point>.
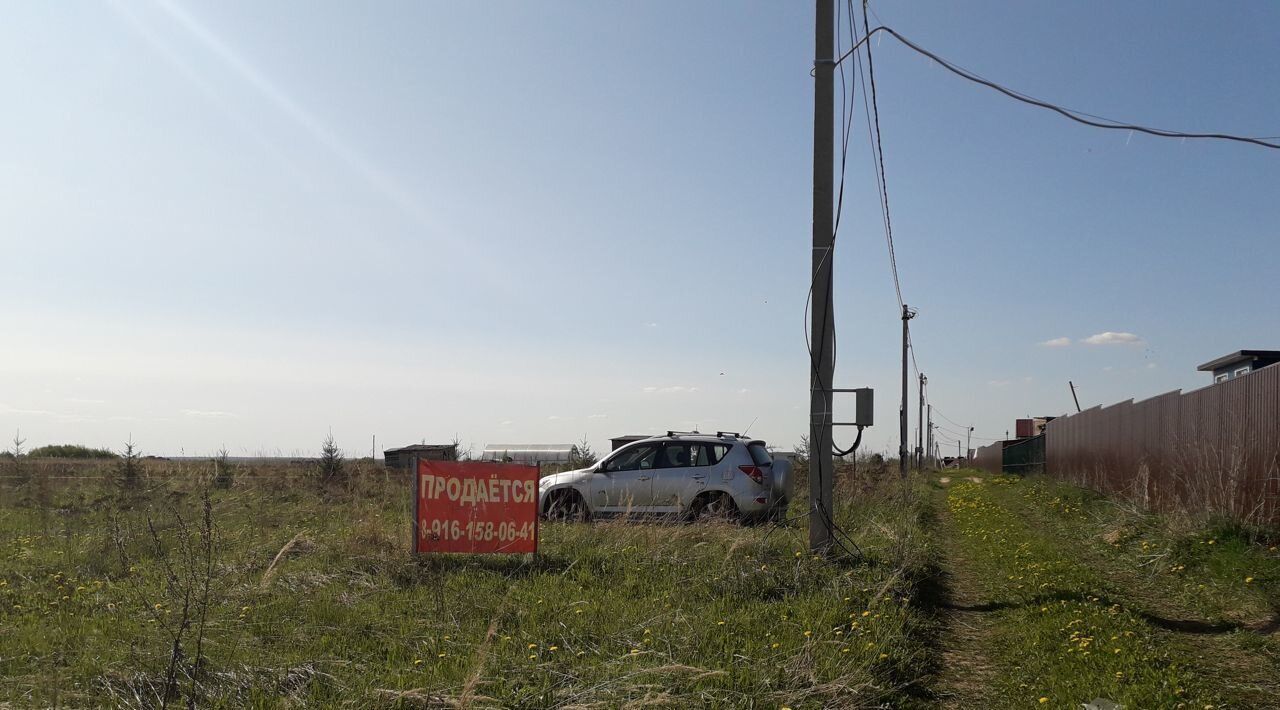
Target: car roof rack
<point>679,433</point>
<point>729,433</point>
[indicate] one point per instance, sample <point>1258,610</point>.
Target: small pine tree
<point>223,470</point>
<point>15,454</point>
<point>331,463</point>
<point>130,464</point>
<point>581,454</point>
<point>460,452</point>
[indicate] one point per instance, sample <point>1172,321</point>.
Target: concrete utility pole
<point>920,424</point>
<point>822,345</point>
<point>968,443</point>
<point>907,315</point>
<point>929,439</point>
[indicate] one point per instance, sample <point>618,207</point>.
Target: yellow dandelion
<point>1043,700</point>
<point>532,645</point>
<point>417,661</point>
<point>1248,580</point>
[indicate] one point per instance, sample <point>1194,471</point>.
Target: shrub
<point>69,451</point>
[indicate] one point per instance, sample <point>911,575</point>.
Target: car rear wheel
<point>713,506</point>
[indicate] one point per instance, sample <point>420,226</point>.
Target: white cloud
<point>505,422</point>
<point>671,389</point>
<point>744,390</point>
<point>203,414</point>
<point>1111,338</point>
<point>557,417</point>
<point>651,325</point>
<point>1056,343</point>
<point>1151,366</point>
<point>77,400</point>
<point>597,416</point>
<point>999,383</point>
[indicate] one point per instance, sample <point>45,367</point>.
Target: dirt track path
<point>988,617</point>
<point>966,664</point>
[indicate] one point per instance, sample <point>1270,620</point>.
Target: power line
<point>1078,116</point>
<point>950,420</point>
<point>879,151</point>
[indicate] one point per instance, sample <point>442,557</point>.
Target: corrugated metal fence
<point>990,458</point>
<point>1212,450</point>
<point>1020,456</point>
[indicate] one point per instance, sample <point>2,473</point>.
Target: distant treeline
<point>69,451</point>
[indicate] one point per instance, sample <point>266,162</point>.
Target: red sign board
<point>475,507</point>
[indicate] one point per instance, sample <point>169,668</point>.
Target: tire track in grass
<point>1199,590</point>
<point>1053,634</point>
<point>967,668</point>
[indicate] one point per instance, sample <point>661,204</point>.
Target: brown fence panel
<point>990,458</point>
<point>1214,450</point>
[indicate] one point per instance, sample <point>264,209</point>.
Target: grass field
<point>1060,596</point>
<point>313,599</point>
<point>970,591</point>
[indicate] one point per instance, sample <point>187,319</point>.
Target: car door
<point>627,481</point>
<point>682,473</point>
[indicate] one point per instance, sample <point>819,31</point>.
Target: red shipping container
<point>475,507</point>
<point>1024,428</point>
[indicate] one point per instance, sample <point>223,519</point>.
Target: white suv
<point>686,474</point>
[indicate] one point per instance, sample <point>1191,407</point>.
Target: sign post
<point>471,507</point>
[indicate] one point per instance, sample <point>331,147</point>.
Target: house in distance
<point>1239,363</point>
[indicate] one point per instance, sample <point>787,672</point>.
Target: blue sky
<point>243,224</point>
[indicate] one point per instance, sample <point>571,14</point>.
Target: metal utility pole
<point>920,424</point>
<point>907,315</point>
<point>822,346</point>
<point>1073,395</point>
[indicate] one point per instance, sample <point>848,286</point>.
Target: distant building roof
<point>1240,356</point>
<point>528,453</point>
<point>421,448</point>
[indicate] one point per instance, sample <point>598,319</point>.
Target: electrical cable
<point>879,153</point>
<point>836,450</point>
<point>1076,115</point>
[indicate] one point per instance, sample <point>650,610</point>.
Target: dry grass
<point>316,601</point>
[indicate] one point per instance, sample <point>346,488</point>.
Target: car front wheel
<point>566,506</point>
